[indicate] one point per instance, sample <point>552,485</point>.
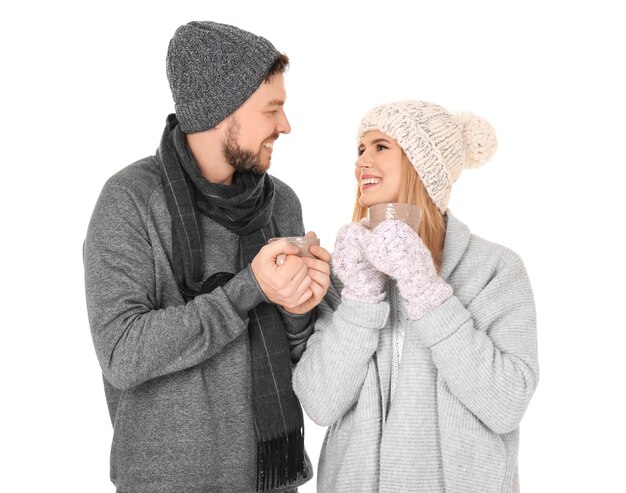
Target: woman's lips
<point>370,181</point>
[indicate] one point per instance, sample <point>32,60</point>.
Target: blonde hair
<point>432,228</point>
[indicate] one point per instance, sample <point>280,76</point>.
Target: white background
<point>84,93</point>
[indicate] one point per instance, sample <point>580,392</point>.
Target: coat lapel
<point>455,243</point>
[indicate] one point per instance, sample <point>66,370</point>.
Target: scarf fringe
<point>280,460</point>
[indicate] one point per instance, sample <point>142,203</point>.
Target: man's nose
<point>283,126</point>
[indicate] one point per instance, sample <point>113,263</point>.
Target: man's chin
<point>261,168</point>
<point>256,168</point>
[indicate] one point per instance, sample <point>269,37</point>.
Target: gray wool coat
<point>468,371</point>
<point>177,375</point>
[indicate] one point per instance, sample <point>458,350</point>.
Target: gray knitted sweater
<point>467,373</point>
<point>177,376</point>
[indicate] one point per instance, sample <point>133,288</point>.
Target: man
<point>196,320</point>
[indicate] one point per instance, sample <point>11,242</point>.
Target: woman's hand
<point>396,250</point>
<point>362,282</point>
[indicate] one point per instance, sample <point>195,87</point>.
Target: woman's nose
<point>363,162</point>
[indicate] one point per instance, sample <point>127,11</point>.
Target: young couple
<point>418,351</point>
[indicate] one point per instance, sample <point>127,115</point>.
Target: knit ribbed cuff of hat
<point>442,322</point>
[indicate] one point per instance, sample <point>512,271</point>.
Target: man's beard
<point>239,158</point>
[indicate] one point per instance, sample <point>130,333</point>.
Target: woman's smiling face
<point>378,169</point>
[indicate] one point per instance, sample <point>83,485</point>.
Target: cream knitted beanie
<point>438,144</point>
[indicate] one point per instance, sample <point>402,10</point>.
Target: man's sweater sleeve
<point>289,218</point>
<point>487,351</point>
<point>134,340</point>
<point>299,328</point>
<point>245,291</point>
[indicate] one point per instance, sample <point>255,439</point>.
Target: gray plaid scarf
<point>246,208</point>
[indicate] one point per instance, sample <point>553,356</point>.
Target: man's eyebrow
<point>276,102</point>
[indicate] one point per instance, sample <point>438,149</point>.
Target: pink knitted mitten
<point>362,282</point>
<point>399,252</point>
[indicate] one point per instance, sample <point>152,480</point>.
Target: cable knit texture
<point>468,371</point>
<point>361,280</point>
<point>399,252</point>
<point>438,143</point>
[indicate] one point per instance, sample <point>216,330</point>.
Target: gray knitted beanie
<point>213,69</point>
<point>438,144</point>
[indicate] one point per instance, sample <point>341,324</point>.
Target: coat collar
<point>455,243</point>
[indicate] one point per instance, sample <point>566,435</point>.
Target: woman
<point>425,364</point>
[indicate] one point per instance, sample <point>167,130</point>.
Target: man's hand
<point>318,270</point>
<point>287,285</point>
